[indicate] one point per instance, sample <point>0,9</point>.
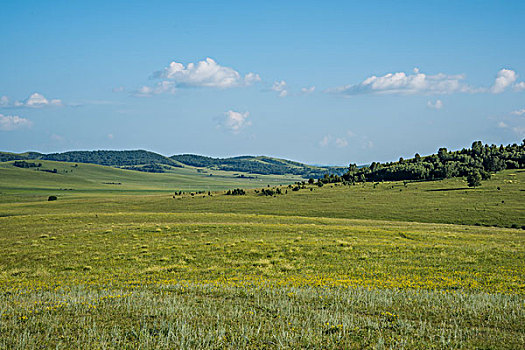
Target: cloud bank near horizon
<point>418,83</point>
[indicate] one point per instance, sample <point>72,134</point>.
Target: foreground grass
<point>256,281</point>
<point>194,316</point>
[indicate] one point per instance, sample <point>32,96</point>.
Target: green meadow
<point>121,261</point>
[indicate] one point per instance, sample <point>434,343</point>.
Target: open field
<point>499,202</point>
<point>393,266</point>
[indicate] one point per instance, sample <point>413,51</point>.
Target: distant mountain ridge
<point>258,165</point>
<point>153,162</point>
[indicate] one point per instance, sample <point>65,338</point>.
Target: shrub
<point>52,198</point>
<point>236,192</point>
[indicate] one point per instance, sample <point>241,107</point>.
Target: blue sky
<point>319,82</point>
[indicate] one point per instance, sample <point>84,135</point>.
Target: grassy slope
<point>318,268</point>
<point>91,179</point>
<point>448,201</point>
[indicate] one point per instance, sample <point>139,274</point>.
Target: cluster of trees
<point>24,164</point>
<point>271,191</point>
<point>236,192</point>
<point>149,168</point>
<point>478,161</point>
<point>257,165</point>
<point>327,179</point>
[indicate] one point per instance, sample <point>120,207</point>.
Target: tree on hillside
<point>474,178</point>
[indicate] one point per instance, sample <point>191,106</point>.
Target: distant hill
<point>258,165</point>
<point>112,158</point>
<point>7,156</point>
<point>142,160</point>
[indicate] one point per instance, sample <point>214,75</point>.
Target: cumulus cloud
<point>207,73</point>
<point>308,90</point>
<point>519,86</point>
<point>235,121</point>
<point>504,79</point>
<point>435,105</point>
<point>13,122</point>
<point>280,87</point>
<point>4,101</point>
<point>403,83</point>
<point>344,141</point>
<point>519,112</point>
<point>159,88</point>
<point>37,100</point>
<point>251,78</point>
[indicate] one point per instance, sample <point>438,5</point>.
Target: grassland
<point>386,266</point>
<point>84,180</point>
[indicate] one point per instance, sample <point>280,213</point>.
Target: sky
<point>321,82</point>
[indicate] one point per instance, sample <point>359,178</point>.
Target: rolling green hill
<point>156,163</point>
<point>80,179</point>
<point>258,165</point>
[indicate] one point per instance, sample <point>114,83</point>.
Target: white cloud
<point>37,100</point>
<point>403,83</point>
<point>308,90</point>
<point>435,105</point>
<point>235,121</point>
<point>13,122</point>
<point>341,142</point>
<point>4,101</point>
<point>251,78</point>
<point>519,112</point>
<point>325,141</point>
<point>119,89</point>
<point>161,87</point>
<point>280,87</point>
<point>517,129</point>
<point>513,124</point>
<point>519,86</point>
<point>207,73</point>
<point>504,79</point>
<point>350,138</point>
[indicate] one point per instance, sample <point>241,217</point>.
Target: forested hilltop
<point>258,165</point>
<point>478,161</point>
<point>108,158</point>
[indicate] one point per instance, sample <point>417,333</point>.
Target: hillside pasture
<point>387,265</point>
